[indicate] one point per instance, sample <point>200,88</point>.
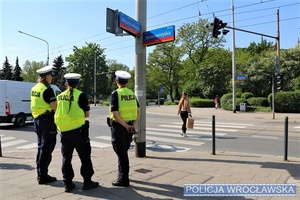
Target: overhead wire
<point>57,49</point>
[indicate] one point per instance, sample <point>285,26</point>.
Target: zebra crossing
<point>163,137</point>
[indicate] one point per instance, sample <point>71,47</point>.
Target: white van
<point>15,101</point>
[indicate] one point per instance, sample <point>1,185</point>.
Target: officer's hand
<point>128,128</point>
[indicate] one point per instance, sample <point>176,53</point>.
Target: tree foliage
<point>83,61</point>
<point>6,73</point>
<point>29,70</point>
<point>17,72</point>
<point>59,72</point>
<point>164,64</point>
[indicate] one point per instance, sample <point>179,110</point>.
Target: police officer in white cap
<point>43,105</point>
<point>124,113</point>
<point>72,109</point>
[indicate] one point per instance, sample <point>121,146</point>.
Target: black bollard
<point>286,125</point>
<point>0,147</point>
<point>213,135</point>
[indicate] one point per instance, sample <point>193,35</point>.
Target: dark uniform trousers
<point>46,137</point>
<point>76,139</point>
<point>121,140</point>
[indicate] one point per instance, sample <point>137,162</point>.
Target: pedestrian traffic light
<point>216,26</point>
<point>279,82</point>
<point>269,80</point>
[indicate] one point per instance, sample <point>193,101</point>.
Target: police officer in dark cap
<point>43,105</point>
<point>72,109</point>
<point>124,113</point>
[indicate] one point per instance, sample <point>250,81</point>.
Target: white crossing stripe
<point>239,124</point>
<point>28,146</point>
<point>189,131</point>
<point>99,144</point>
<point>168,140</point>
<point>296,126</point>
<point>201,128</point>
<point>104,137</point>
<point>172,133</point>
<point>217,125</point>
<point>11,143</point>
<point>7,138</point>
<point>265,137</point>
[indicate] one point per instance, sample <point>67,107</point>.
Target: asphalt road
<point>162,134</point>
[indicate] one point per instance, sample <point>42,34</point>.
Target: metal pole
<point>140,78</point>
<point>39,39</point>
<point>233,64</point>
<point>0,147</point>
<point>286,125</point>
<point>273,95</point>
<point>95,98</point>
<point>213,135</point>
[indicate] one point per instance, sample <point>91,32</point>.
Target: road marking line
<point>265,137</point>
<point>182,142</point>
<point>200,128</point>
<point>28,146</point>
<point>7,138</point>
<point>217,125</point>
<point>104,137</point>
<point>239,124</point>
<point>100,144</point>
<point>189,131</point>
<point>11,143</point>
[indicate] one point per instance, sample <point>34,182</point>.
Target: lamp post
<point>39,39</point>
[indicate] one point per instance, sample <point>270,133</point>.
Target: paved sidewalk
<point>161,175</point>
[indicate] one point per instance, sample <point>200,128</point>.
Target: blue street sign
<point>158,36</point>
<point>241,77</point>
<point>161,88</point>
<point>129,25</point>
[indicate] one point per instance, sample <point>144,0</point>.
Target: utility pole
<point>277,65</point>
<point>233,64</point>
<point>95,71</point>
<point>140,78</point>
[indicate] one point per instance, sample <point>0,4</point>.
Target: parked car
<point>161,101</point>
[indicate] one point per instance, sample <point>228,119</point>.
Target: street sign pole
<point>140,78</point>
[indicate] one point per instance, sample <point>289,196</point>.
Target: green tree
<point>196,40</point>
<point>164,64</point>
<point>6,70</point>
<point>59,72</point>
<point>289,64</point>
<point>82,61</point>
<point>258,48</point>
<point>29,70</point>
<point>113,66</point>
<point>17,72</point>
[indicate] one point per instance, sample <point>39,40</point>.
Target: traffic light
<point>216,26</point>
<point>269,80</point>
<point>279,82</point>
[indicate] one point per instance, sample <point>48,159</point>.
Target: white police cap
<point>72,77</point>
<point>45,70</point>
<point>122,76</point>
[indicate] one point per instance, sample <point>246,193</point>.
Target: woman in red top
<point>217,102</point>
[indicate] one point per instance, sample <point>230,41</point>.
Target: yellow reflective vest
<point>68,119</point>
<point>38,104</point>
<point>127,104</point>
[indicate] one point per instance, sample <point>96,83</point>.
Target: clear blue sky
<point>67,23</point>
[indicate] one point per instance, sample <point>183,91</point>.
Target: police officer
<point>124,112</point>
<point>43,105</point>
<point>72,108</point>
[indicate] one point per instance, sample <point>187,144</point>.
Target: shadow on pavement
<point>292,168</point>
